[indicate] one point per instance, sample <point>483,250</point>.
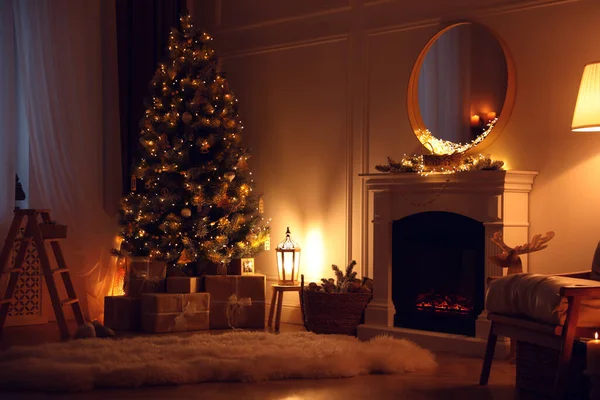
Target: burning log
<point>438,302</point>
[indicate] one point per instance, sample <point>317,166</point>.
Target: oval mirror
<point>461,90</point>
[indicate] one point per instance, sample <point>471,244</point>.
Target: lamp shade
<point>288,260</point>
<point>586,117</point>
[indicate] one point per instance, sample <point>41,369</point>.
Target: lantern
<point>288,260</point>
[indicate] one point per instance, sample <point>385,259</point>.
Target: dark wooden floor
<point>456,378</point>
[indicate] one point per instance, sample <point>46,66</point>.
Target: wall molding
<point>284,47</point>
<point>281,21</point>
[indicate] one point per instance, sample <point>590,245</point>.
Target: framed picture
<point>247,266</point>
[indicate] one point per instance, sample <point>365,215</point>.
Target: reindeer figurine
<point>510,256</point>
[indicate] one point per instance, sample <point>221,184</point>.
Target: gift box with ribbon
<point>236,301</point>
<point>122,313</point>
<point>145,275</point>
<point>183,284</point>
<point>170,312</point>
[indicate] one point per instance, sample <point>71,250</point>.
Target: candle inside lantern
<point>475,120</point>
<point>593,354</point>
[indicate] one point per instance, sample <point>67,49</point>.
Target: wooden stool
<point>278,298</point>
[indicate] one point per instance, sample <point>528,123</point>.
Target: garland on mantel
<point>440,164</point>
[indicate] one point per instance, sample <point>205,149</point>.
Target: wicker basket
<point>333,313</point>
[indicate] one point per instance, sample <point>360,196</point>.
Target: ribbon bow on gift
<point>186,310</point>
<point>235,307</point>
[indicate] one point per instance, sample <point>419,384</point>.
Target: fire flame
<point>443,303</point>
<point>119,278</point>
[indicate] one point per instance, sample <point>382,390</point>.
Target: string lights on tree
<point>192,196</point>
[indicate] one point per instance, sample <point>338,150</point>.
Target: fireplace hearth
<point>429,279</point>
<point>438,272</point>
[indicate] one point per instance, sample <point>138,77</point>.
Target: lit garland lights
<point>446,157</point>
<point>435,164</point>
<point>444,147</point>
<point>192,199</point>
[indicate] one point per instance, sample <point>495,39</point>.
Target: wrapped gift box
<point>183,284</point>
<point>135,287</point>
<point>144,267</point>
<point>170,312</point>
<point>236,301</point>
<point>122,313</point>
<point>145,276</point>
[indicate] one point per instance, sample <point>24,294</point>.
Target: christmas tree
<point>192,199</point>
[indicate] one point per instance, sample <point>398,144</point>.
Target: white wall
<point>322,87</point>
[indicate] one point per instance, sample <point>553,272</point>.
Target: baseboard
<point>289,314</point>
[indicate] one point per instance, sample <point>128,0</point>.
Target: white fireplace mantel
<point>498,199</point>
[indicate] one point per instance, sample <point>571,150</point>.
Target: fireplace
<point>438,269</point>
<point>439,304</point>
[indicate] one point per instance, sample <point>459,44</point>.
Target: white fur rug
<point>235,356</point>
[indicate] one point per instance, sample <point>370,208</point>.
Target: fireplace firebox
<point>438,272</point>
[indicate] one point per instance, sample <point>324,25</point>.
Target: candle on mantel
<point>491,116</point>
<point>593,354</point>
<point>474,120</point>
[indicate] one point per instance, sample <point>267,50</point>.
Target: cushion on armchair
<point>537,297</point>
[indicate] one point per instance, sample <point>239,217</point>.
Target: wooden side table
<point>277,297</point>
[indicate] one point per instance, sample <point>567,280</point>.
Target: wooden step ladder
<point>39,229</point>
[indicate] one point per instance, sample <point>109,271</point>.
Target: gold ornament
<point>184,258</point>
<point>252,237</point>
<point>223,222</point>
<point>186,117</point>
<point>244,190</point>
<point>229,175</point>
<point>186,213</point>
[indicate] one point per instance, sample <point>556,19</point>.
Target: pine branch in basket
<point>346,282</point>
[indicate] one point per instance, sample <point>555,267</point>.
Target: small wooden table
<point>277,297</point>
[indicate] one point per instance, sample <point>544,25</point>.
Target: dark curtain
<point>142,32</point>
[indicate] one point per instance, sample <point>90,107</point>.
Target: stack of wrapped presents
<point>155,303</point>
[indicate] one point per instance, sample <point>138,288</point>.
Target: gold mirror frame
<point>412,101</point>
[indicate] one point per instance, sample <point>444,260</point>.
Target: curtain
<point>72,123</point>
<point>8,117</point>
<point>143,30</point>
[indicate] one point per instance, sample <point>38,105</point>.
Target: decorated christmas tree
<point>192,201</point>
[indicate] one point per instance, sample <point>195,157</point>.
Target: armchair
<point>546,310</point>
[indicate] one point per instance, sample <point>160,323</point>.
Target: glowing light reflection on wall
<point>313,264</point>
<point>118,279</point>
